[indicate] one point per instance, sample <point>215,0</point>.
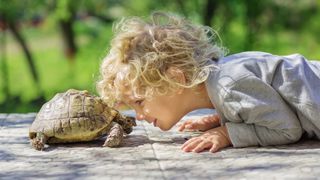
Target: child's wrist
<point>225,133</point>
<point>214,120</point>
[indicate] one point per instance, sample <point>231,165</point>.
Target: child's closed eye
<point>138,102</point>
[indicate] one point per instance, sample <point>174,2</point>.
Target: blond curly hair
<point>142,51</point>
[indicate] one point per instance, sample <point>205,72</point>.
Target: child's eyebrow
<point>128,101</point>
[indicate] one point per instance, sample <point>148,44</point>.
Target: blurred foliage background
<point>48,46</point>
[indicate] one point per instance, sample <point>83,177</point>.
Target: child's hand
<point>213,139</point>
<point>202,124</point>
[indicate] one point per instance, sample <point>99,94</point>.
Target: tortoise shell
<point>73,116</point>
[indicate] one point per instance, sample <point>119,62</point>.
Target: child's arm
<point>258,115</point>
<point>202,124</point>
<point>213,139</point>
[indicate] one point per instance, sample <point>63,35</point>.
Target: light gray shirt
<point>264,99</point>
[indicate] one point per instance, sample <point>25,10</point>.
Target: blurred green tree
<point>11,13</point>
<point>270,25</point>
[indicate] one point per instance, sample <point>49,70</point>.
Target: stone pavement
<point>148,153</point>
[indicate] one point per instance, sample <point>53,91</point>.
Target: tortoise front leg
<point>115,136</point>
<point>39,141</point>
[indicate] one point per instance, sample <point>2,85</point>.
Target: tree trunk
<point>17,34</point>
<point>210,9</point>
<point>68,37</point>
<point>253,10</point>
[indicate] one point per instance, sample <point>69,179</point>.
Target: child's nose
<point>140,117</point>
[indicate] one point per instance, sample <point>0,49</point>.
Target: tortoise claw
<point>37,144</point>
<point>39,141</point>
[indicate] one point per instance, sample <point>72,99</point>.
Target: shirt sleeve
<point>257,115</point>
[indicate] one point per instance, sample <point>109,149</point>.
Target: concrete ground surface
<point>148,153</point>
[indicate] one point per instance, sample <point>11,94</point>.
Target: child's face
<point>163,111</point>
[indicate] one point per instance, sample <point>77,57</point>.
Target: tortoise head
<point>126,122</point>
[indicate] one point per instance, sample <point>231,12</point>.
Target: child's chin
<point>164,128</point>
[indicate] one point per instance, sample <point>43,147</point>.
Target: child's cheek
<point>147,111</point>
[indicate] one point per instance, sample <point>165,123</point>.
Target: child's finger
<point>194,126</point>
<point>184,124</point>
<point>203,145</point>
<point>190,144</point>
<point>189,126</point>
<point>182,127</point>
<point>214,148</point>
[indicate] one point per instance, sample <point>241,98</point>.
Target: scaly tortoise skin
<point>76,116</point>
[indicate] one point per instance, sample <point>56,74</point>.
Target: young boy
<point>167,67</point>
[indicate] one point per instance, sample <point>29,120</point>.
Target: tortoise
<point>77,116</point>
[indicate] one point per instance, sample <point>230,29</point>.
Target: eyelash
<point>138,102</point>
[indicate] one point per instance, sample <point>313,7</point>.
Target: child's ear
<point>177,74</point>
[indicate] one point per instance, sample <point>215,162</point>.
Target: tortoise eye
<point>78,97</point>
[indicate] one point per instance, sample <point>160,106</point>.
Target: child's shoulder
<point>245,56</point>
<point>238,66</point>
